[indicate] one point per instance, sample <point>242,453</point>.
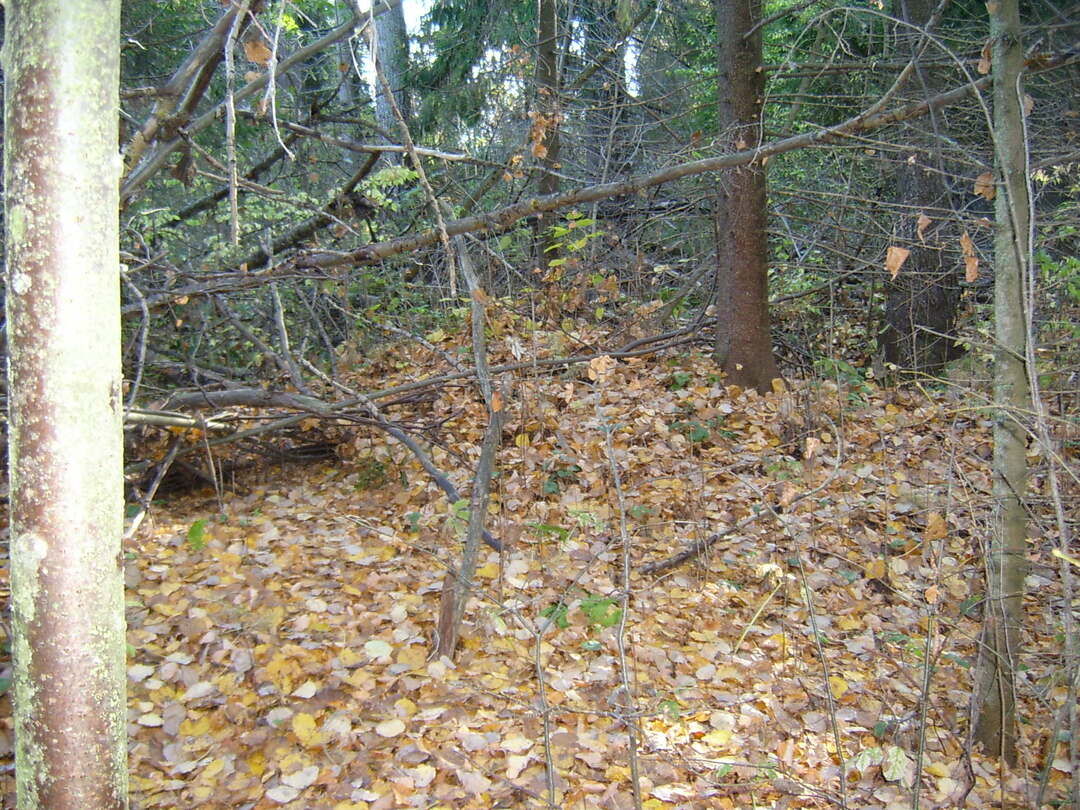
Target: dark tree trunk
<point>546,123</point>
<point>921,301</point>
<point>743,343</point>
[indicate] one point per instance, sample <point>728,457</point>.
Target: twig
<point>148,497</point>
<point>283,339</point>
<point>623,699</point>
<point>230,122</point>
<point>457,587</point>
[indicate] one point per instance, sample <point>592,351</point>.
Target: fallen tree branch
<point>503,219</point>
<point>152,162</point>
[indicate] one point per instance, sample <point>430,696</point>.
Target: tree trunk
<point>605,137</point>
<point>995,696</point>
<point>920,307</point>
<point>743,343</point>
<point>392,43</point>
<point>61,66</point>
<point>546,123</point>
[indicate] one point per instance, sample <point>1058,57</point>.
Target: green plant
<point>558,476</point>
<point>560,534</point>
<point>196,535</point>
<point>557,613</point>
<point>572,237</point>
<point>601,610</point>
<point>371,473</point>
<point>679,380</point>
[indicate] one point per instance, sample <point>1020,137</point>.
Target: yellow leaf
<point>306,730</point>
<point>838,686</point>
<point>195,728</point>
<point>848,623</point>
<point>488,570</point>
<point>257,763</point>
<point>405,707</point>
<point>938,769</point>
<point>894,259</point>
<point>875,569</point>
<point>717,738</point>
<point>414,656</point>
<point>349,658</point>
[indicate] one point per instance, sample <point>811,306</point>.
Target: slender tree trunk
<point>995,697</point>
<point>605,138</point>
<point>546,122</point>
<point>743,342</point>
<point>61,166</point>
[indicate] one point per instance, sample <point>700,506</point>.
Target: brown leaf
<point>971,269</point>
<point>894,259</point>
<point>257,51</point>
<point>1029,104</point>
<point>967,247</point>
<point>922,224</point>
<point>984,59</point>
<point>984,186</point>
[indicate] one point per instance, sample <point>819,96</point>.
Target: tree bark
<point>743,343</point>
<point>62,71</point>
<point>921,301</point>
<point>546,123</point>
<point>392,43</point>
<point>995,683</point>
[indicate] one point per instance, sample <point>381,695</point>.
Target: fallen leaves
<point>286,662</point>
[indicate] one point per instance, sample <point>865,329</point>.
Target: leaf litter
<point>283,661</point>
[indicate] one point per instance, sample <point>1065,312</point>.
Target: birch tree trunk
<point>995,697</point>
<point>61,172</point>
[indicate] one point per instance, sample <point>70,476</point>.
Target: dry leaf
<point>921,225</point>
<point>390,728</point>
<point>894,259</point>
<point>984,186</point>
<point>971,269</point>
<point>599,366</point>
<point>1029,104</point>
<point>257,51</point>
<point>984,59</point>
<point>936,528</point>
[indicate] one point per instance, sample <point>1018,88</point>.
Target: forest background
<point>580,404</point>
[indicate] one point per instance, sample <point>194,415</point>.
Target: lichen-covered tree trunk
<point>392,56</point>
<point>61,171</point>
<point>743,343</point>
<point>921,301</point>
<point>995,682</point>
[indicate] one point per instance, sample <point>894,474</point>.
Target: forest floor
<point>280,632</point>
